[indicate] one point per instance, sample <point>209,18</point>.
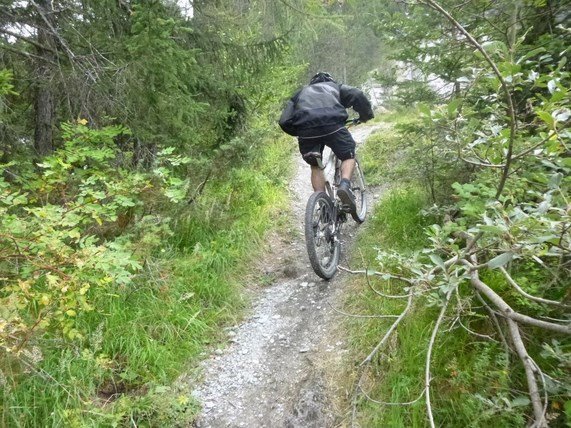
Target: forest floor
<point>282,365</point>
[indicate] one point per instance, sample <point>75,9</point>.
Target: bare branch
<point>529,296</point>
<point>360,316</point>
<point>542,377</point>
<point>200,188</point>
<point>369,358</point>
<point>52,30</point>
<point>484,336</point>
<point>529,373</point>
<point>486,165</point>
<point>532,148</point>
<point>495,321</point>
<point>429,356</point>
<point>385,403</point>
<point>503,83</point>
<point>553,319</point>
<point>383,274</point>
<point>388,296</point>
<point>28,54</point>
<point>28,40</point>
<point>389,332</point>
<point>506,310</point>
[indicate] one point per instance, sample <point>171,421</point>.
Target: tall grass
<point>384,156</point>
<point>123,372</point>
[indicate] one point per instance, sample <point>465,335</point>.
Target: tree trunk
<point>44,97</point>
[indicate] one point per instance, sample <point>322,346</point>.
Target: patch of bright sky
<point>185,7</point>
<point>21,29</point>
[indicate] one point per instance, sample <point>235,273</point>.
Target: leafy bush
<point>65,239</point>
<point>496,271</point>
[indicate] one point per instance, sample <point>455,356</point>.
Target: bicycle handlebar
<point>353,122</point>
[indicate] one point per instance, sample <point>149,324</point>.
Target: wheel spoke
<point>322,246</point>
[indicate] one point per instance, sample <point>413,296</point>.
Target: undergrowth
<point>470,377</point>
<point>124,371</point>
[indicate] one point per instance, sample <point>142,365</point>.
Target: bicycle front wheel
<point>321,235</point>
<point>358,183</point>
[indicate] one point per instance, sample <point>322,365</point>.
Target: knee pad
<point>313,159</point>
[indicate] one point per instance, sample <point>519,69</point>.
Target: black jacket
<point>320,109</point>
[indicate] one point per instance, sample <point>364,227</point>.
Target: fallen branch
<point>429,356</point>
<point>382,274</point>
<point>496,322</point>
<point>388,333</point>
<point>506,310</point>
<point>385,403</point>
<point>369,358</point>
<point>529,374</point>
<point>520,290</point>
<point>360,316</point>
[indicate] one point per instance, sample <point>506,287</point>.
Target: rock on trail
<point>277,369</point>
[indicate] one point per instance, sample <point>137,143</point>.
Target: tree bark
<point>44,103</point>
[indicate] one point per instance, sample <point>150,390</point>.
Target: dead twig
<point>386,403</point>
<point>521,291</point>
<point>382,274</point>
<point>429,356</point>
<point>369,358</point>
<point>360,316</point>
<point>483,336</point>
<point>529,367</point>
<point>389,332</point>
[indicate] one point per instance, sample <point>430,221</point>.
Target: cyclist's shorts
<point>340,142</point>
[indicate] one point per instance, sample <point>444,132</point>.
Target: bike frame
<point>331,186</point>
<point>323,237</point>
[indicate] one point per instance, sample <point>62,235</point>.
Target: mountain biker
<point>317,114</point>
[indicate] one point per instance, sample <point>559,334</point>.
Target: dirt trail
<point>276,372</point>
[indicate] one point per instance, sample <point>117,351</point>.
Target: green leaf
<point>437,260</point>
<point>531,54</point>
<point>555,180</point>
<point>423,108</point>
<point>453,105</point>
<point>547,118</point>
<point>520,401</point>
<point>500,260</point>
<point>495,46</point>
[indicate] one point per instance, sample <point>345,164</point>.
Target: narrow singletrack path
<point>278,369</point>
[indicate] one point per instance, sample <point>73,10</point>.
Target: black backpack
<point>286,119</point>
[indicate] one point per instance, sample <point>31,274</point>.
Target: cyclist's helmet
<point>321,76</point>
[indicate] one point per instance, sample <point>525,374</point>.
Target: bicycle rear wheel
<point>358,183</point>
<point>320,235</point>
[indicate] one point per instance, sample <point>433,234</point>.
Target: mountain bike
<point>325,215</point>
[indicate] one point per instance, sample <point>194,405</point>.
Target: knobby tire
<point>358,187</point>
<point>323,246</point>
